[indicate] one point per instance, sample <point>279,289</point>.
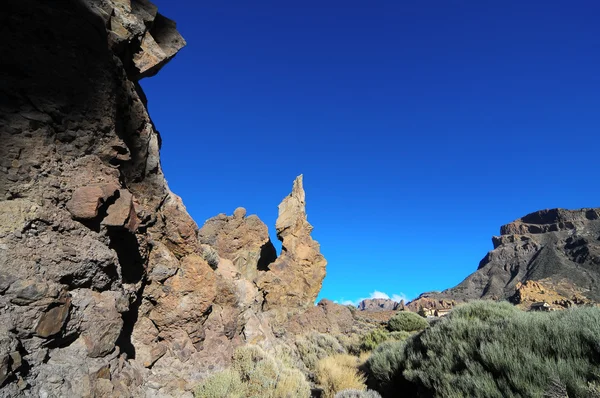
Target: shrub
<point>399,335</point>
<point>357,394</point>
<point>255,373</point>
<point>385,362</point>
<point>210,255</point>
<point>488,349</point>
<point>316,346</point>
<point>407,322</point>
<point>377,336</point>
<point>372,339</point>
<point>222,385</point>
<point>337,373</point>
<point>265,376</point>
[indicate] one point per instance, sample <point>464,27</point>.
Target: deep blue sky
<point>420,126</point>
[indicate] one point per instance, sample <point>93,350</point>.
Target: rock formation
<point>106,286</point>
<point>531,292</point>
<point>379,304</point>
<point>558,248</point>
<point>294,279</point>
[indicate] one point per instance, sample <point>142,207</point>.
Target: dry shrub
<point>225,384</point>
<point>337,373</point>
<point>255,373</point>
<point>316,346</point>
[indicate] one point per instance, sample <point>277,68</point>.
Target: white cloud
<point>379,295</point>
<point>399,297</point>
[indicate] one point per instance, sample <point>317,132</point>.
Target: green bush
<point>315,346</point>
<point>406,321</point>
<point>399,335</point>
<point>371,340</point>
<point>488,349</point>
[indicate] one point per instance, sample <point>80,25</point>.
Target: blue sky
<point>420,127</point>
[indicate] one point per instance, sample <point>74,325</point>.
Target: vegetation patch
<point>254,373</point>
<point>337,373</point>
<point>315,346</point>
<point>487,349</point>
<point>406,321</point>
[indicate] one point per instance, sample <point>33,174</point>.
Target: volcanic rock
<point>105,289</point>
<point>294,279</point>
<point>558,248</point>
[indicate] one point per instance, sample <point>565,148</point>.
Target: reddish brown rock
<point>185,297</point>
<point>122,212</point>
<point>86,201</point>
<point>180,230</point>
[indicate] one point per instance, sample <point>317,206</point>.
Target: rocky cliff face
<point>106,286</point>
<point>558,248</point>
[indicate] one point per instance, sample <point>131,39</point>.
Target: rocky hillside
<point>107,286</point>
<point>560,249</point>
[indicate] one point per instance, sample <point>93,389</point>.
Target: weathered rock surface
<point>326,317</point>
<point>379,304</point>
<point>105,287</point>
<point>243,240</point>
<point>558,248</point>
<point>295,278</point>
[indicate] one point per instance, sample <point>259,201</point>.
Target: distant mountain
<point>558,248</point>
<point>379,304</point>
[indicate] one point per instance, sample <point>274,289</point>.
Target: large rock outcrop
<point>287,284</point>
<point>295,277</point>
<point>558,248</point>
<point>85,213</point>
<point>106,286</point>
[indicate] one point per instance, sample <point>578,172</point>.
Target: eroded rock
<point>294,279</point>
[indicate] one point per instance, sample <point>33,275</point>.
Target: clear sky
<point>420,126</point>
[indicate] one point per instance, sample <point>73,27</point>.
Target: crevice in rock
<point>62,341</point>
<point>127,247</point>
<point>268,255</point>
<point>129,320</point>
<point>73,282</point>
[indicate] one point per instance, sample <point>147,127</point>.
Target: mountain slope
<point>558,247</point>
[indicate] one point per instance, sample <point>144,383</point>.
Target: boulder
<point>86,200</point>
